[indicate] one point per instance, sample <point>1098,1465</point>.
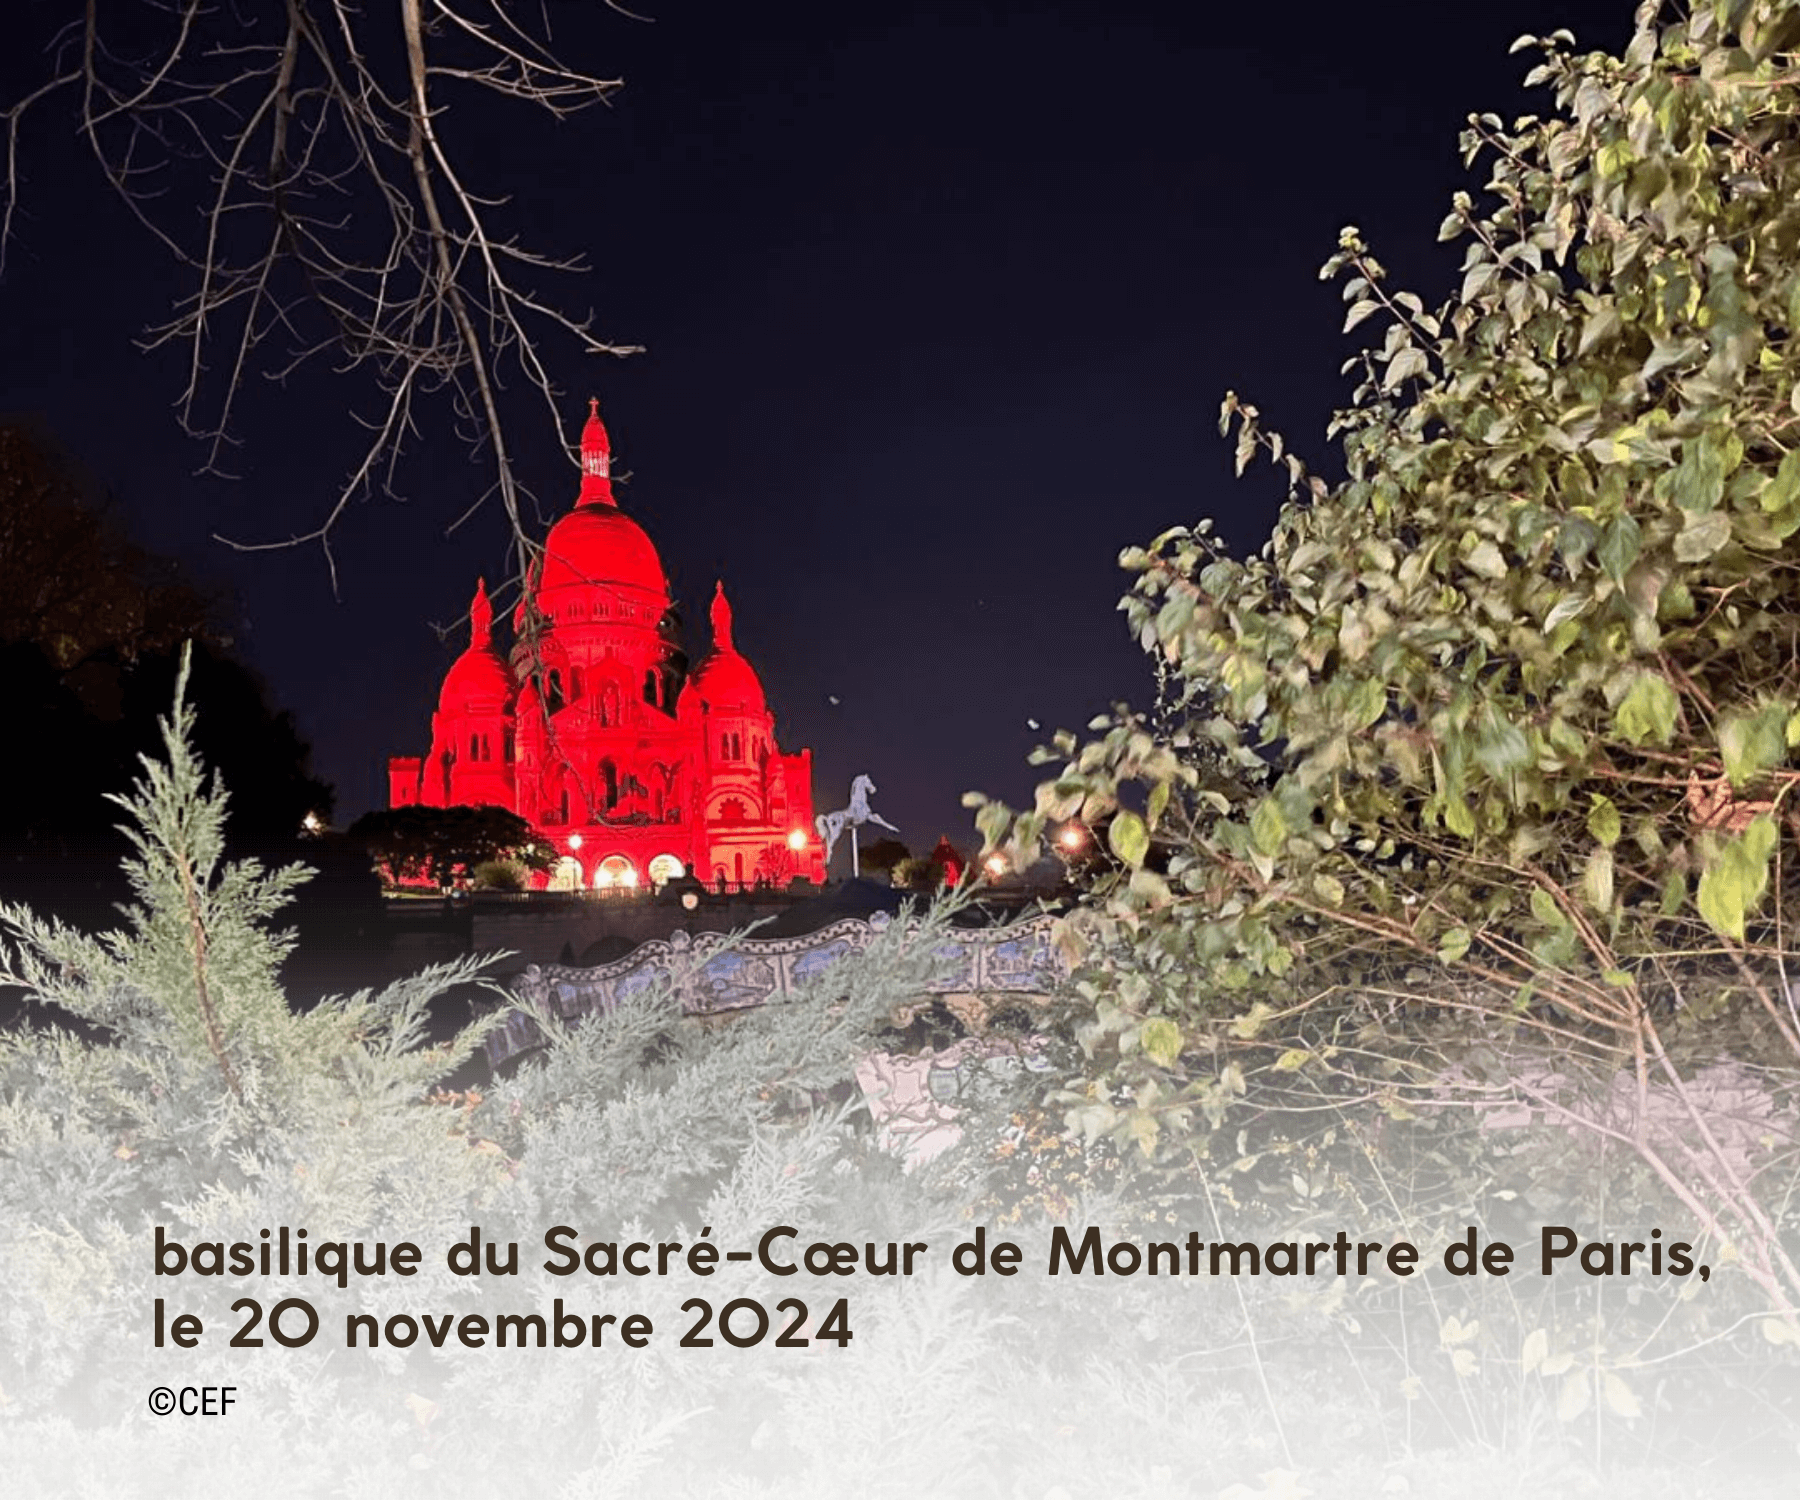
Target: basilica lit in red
<point>594,729</point>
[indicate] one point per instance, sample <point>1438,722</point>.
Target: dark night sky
<point>939,301</point>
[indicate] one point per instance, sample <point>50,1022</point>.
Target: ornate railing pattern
<point>711,973</point>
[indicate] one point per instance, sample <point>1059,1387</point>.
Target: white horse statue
<point>832,824</point>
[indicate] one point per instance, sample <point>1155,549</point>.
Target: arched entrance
<point>565,875</point>
<point>664,868</point>
<point>615,873</point>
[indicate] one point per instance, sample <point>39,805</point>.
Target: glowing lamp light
<point>574,840</point>
<point>995,864</point>
<point>1072,837</point>
<point>628,878</point>
<point>689,900</point>
<point>797,839</point>
<point>311,823</point>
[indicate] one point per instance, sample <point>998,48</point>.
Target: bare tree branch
<point>335,223</point>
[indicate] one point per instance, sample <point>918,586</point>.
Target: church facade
<point>593,728</point>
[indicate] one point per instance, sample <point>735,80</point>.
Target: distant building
<point>593,729</point>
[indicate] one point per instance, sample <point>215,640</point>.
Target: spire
<point>721,619</point>
<point>481,618</point>
<point>596,460</point>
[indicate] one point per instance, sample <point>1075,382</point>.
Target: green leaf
<point>1502,746</point>
<point>1485,559</point>
<point>1294,1059</point>
<point>1784,489</point>
<point>1597,879</point>
<point>1156,803</point>
<point>1618,547</point>
<point>1603,820</point>
<point>1408,364</point>
<point>1674,893</point>
<point>1453,945</point>
<point>1129,839</point>
<point>1268,829</point>
<point>1368,702</point>
<point>1246,1026</point>
<point>1646,714</point>
<point>1545,909</point>
<point>1733,884</point>
<point>1699,479</point>
<point>1703,535</point>
<point>1751,743</point>
<point>1161,1040</point>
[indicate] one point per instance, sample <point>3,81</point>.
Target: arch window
<point>566,876</point>
<point>616,873</point>
<point>664,868</point>
<point>731,810</point>
<point>609,784</point>
<point>553,691</point>
<point>650,688</point>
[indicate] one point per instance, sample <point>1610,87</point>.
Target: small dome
<point>598,544</point>
<point>477,680</point>
<point>726,681</point>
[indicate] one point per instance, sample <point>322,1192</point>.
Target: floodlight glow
<point>797,839</point>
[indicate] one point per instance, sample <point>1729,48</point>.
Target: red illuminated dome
<point>725,680</point>
<point>478,680</point>
<point>597,543</point>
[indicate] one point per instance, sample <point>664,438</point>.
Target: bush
<point>499,875</point>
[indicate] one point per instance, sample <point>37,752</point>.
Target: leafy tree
<point>91,631</point>
<point>443,845</point>
<point>1501,728</point>
<point>71,583</point>
<point>881,856</point>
